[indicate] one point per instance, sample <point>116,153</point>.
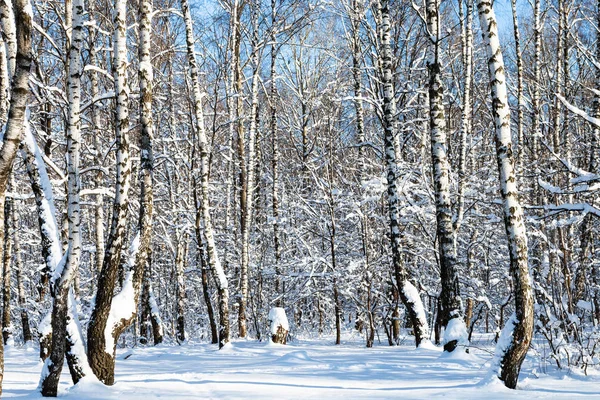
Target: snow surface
<point>312,368</point>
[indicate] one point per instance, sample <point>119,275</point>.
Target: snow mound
<point>91,388</point>
<point>297,357</point>
<point>456,330</point>
<point>428,345</point>
<point>278,318</point>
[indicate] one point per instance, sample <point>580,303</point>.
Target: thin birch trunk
<point>180,298</point>
<point>21,297</point>
<point>7,329</point>
<point>408,293</point>
<point>250,174</point>
<point>520,154</point>
<point>201,143</point>
<point>516,335</point>
<point>466,119</point>
<point>98,179</point>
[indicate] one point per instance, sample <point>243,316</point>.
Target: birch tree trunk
<point>65,272</point>
<point>408,293</point>
<point>7,18</point>
<point>520,98</point>
<point>516,335</point>
<point>466,119</point>
<point>279,290</point>
<point>250,173</point>
<point>7,329</point>
<point>98,179</point>
<point>180,298</point>
<point>16,115</point>
<point>450,301</point>
<point>21,298</point>
<point>124,307</point>
<point>4,84</point>
<point>202,144</point>
<point>100,335</point>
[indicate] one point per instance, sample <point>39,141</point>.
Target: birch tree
<point>450,311</point>
<point>18,99</point>
<point>101,346</point>
<point>518,331</point>
<point>408,293</point>
<point>204,204</point>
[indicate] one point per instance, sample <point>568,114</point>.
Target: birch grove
<point>408,172</point>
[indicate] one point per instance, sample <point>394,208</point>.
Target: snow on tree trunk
<point>202,144</point>
<point>100,339</point>
<point>450,301</point>
<point>408,293</point>
<point>61,289</point>
<point>125,304</point>
<point>279,325</point>
<point>53,257</point>
<point>516,336</point>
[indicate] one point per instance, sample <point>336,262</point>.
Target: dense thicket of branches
<point>202,162</point>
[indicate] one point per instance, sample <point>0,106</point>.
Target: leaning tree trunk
<point>60,305</point>
<point>202,144</point>
<point>450,312</point>
<point>18,100</point>
<point>408,293</point>
<point>100,342</point>
<point>517,334</point>
<point>52,254</point>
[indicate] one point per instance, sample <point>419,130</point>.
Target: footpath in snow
<point>303,369</point>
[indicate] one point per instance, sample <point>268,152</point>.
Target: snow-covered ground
<point>302,369</point>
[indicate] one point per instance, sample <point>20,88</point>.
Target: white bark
<point>408,292</point>
<point>512,349</point>
<point>101,356</point>
<point>202,143</point>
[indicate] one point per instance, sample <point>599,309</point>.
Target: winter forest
<point>291,199</point>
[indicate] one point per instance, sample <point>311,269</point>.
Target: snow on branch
<point>579,111</point>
